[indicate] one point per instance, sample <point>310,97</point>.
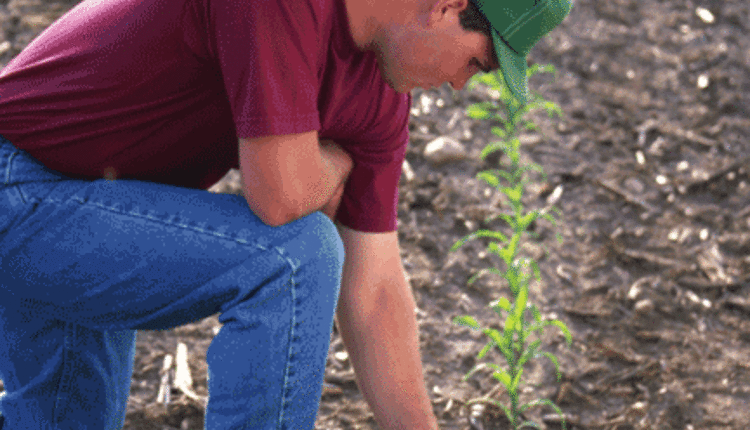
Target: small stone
<point>530,139</point>
<point>703,82</point>
<point>554,197</point>
<point>703,234</point>
<point>444,150</point>
<point>645,306</point>
<point>674,235</point>
<point>640,157</point>
<point>635,291</point>
<point>407,171</point>
<point>705,15</point>
<point>341,356</point>
<point>426,103</point>
<point>4,47</point>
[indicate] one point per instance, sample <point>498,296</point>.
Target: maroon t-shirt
<point>161,90</point>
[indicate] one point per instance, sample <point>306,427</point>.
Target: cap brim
<point>513,67</point>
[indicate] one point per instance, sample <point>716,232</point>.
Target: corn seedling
<point>519,340</point>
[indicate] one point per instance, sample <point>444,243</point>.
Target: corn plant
<point>519,341</point>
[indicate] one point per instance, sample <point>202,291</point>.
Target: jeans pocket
<point>21,178</point>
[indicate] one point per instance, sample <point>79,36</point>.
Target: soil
<point>650,169</point>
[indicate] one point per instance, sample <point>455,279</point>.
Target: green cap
<point>517,25</point>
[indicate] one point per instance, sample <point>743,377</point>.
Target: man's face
<point>433,50</point>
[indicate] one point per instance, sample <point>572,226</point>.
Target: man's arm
<point>376,320</point>
<point>287,177</point>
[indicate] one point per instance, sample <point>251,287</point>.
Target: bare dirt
<point>650,168</point>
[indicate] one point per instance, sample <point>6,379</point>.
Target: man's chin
<point>400,87</point>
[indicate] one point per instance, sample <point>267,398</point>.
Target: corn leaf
<point>467,321</point>
<point>501,304</point>
<point>517,380</point>
<point>476,111</point>
<point>546,402</point>
<point>520,306</point>
<point>554,361</point>
<point>489,179</point>
<point>494,335</point>
<point>485,350</point>
<point>504,377</point>
<point>561,325</point>
<point>530,353</point>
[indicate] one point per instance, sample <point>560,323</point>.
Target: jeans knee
<point>327,243</point>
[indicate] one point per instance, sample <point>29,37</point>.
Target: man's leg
<point>84,264</point>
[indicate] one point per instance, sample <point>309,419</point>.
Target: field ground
<point>650,168</point>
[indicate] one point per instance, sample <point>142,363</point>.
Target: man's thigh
<point>118,254</point>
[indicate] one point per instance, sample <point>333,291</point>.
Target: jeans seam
<point>10,163</point>
<point>173,223</point>
<point>70,337</point>
<point>290,353</point>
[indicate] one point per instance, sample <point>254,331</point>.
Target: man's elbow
<point>274,215</point>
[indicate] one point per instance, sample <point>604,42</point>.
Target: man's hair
<point>472,19</point>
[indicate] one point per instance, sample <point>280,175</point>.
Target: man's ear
<point>446,9</point>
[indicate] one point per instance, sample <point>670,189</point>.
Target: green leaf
<point>517,380</point>
<point>508,329</point>
<point>494,247</point>
<point>553,109</point>
<point>537,272</point>
<point>477,112</point>
<point>546,402</point>
<point>527,219</point>
<point>506,175</point>
<point>482,272</point>
<point>485,350</point>
<point>489,178</point>
<point>504,377</point>
<point>530,352</point>
<point>537,68</point>
<point>499,132</point>
<point>507,352</point>
<point>514,193</point>
<point>554,361</point>
<point>530,424</point>
<point>478,234</point>
<point>501,304</point>
<point>467,321</point>
<point>479,367</point>
<point>510,220</point>
<point>492,147</point>
<point>520,306</point>
<point>550,218</point>
<point>494,335</point>
<point>561,325</point>
<point>536,313</point>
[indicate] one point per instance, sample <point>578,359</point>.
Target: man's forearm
<point>383,343</point>
<point>336,166</point>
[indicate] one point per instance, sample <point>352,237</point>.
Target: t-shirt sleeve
<point>370,199</point>
<point>266,51</point>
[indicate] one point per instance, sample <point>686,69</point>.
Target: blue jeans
<point>84,264</point>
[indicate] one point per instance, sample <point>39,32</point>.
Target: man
<point>115,119</point>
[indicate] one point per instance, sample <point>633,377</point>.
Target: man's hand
<point>287,177</point>
<point>332,206</point>
<point>376,319</point>
<point>339,159</point>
